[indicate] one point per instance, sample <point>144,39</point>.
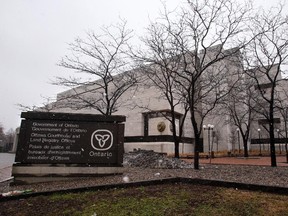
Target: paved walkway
<point>5,173</point>
<point>252,160</point>
<point>6,161</point>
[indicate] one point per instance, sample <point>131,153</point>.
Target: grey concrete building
<point>146,111</point>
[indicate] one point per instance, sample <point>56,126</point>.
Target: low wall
<point>61,144</point>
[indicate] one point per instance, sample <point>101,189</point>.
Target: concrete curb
<point>195,181</point>
<point>7,179</point>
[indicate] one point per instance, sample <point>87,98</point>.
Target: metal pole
<point>286,148</point>
<point>259,142</point>
<point>279,143</point>
<point>238,134</point>
<point>209,143</point>
<point>209,128</point>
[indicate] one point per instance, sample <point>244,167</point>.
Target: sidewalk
<point>5,173</point>
<point>253,160</point>
<point>6,162</point>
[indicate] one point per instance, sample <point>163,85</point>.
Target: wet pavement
<point>252,160</point>
<point>5,173</point>
<point>6,161</point>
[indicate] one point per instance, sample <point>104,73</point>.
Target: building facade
<point>148,114</point>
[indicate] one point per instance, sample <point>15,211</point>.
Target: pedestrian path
<point>6,162</point>
<point>252,160</point>
<point>5,173</point>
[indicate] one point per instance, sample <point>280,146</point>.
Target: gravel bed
<point>147,165</point>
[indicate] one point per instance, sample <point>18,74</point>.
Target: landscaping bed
<point>158,199</point>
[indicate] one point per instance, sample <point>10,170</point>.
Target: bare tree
<point>2,134</point>
<point>189,52</point>
<point>283,110</point>
<point>103,59</point>
<point>264,56</point>
<point>6,139</point>
<point>161,65</point>
<point>196,40</point>
<point>47,106</point>
<point>240,105</point>
<point>9,138</point>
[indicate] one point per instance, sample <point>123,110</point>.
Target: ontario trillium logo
<point>102,140</point>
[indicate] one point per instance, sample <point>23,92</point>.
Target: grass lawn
<point>167,199</point>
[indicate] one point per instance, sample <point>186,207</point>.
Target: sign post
<point>61,144</point>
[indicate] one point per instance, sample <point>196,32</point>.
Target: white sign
<point>102,140</point>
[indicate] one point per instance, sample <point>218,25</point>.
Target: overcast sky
<point>34,35</point>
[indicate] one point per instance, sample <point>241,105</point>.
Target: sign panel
<point>70,142</point>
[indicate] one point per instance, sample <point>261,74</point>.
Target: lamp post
<point>279,143</point>
<point>259,141</point>
<point>209,127</point>
<point>238,136</point>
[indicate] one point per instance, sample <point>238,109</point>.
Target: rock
<point>151,159</point>
<point>126,179</point>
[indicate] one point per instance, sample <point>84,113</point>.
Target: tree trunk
<point>272,148</point>
<point>286,148</point>
<point>197,140</point>
<point>176,148</point>
<point>286,134</point>
<point>196,151</point>
<point>271,133</point>
<point>245,144</point>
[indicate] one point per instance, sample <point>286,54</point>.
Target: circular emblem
<point>101,140</point>
<point>161,126</point>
